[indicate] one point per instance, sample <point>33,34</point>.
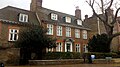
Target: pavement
<point>74,65</point>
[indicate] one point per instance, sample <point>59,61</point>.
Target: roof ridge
<point>57,11</point>
<point>7,7</point>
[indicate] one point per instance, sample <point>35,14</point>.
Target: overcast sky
<point>65,6</point>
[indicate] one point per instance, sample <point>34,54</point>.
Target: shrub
<point>103,55</point>
<point>61,55</point>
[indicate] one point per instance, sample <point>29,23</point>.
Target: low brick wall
<point>72,61</point>
<point>10,56</point>
<point>56,62</point>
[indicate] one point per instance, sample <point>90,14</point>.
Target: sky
<point>65,6</point>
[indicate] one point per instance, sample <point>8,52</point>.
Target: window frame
<point>79,22</point>
<point>68,19</point>
<point>59,31</point>
<point>23,17</point>
<point>59,47</point>
<point>77,48</point>
<point>85,49</point>
<point>50,29</point>
<point>12,35</point>
<point>84,32</point>
<point>68,32</point>
<point>54,16</point>
<point>77,33</point>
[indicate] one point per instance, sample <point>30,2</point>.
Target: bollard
<point>89,59</point>
<point>1,65</point>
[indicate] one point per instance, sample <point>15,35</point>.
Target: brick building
<point>12,21</point>
<point>71,34</point>
<point>97,27</point>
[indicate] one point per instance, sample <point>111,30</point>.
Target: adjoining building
<point>71,34</point>
<point>97,27</point>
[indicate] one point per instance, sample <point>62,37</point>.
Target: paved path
<point>75,65</point>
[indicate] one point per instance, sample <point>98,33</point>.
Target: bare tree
<point>105,7</point>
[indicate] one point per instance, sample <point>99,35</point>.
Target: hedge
<point>77,55</point>
<point>62,55</point>
<point>103,55</point>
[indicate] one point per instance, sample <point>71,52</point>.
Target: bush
<point>103,55</point>
<point>77,55</point>
<point>61,55</point>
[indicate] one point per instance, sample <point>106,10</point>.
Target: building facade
<point>12,21</point>
<point>71,34</point>
<point>97,27</point>
<point>69,31</point>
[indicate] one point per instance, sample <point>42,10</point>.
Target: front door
<point>68,47</point>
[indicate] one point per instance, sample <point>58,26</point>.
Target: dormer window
<point>54,16</point>
<point>68,19</point>
<point>23,18</point>
<point>79,22</point>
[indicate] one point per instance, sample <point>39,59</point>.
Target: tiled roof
<point>44,14</point>
<point>12,14</point>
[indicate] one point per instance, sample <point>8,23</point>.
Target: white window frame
<point>23,17</point>
<point>12,34</point>
<point>71,47</point>
<point>49,49</point>
<point>59,47</point>
<point>54,16</point>
<point>77,33</point>
<point>50,29</point>
<point>78,49</point>
<point>79,22</point>
<point>68,19</point>
<point>68,32</point>
<point>59,30</point>
<point>85,49</point>
<point>84,34</point>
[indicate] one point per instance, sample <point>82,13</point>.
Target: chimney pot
<point>86,16</point>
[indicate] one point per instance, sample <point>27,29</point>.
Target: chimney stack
<point>110,12</point>
<point>34,4</point>
<point>78,13</point>
<point>86,16</point>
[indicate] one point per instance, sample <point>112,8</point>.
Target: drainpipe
<point>98,23</point>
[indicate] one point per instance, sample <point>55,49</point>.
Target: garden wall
<point>10,56</point>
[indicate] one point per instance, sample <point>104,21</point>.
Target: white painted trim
<point>71,49</point>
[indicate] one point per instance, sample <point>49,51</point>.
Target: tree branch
<point>110,4</point>
<point>114,20</point>
<point>91,5</point>
<point>116,34</point>
<point>102,8</point>
<point>106,15</point>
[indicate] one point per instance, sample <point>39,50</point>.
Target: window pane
<point>23,18</point>
<point>68,32</point>
<point>50,29</point>
<point>15,36</point>
<point>54,16</point>
<point>11,35</point>
<point>15,31</point>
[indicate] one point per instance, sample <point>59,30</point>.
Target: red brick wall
<point>80,40</point>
